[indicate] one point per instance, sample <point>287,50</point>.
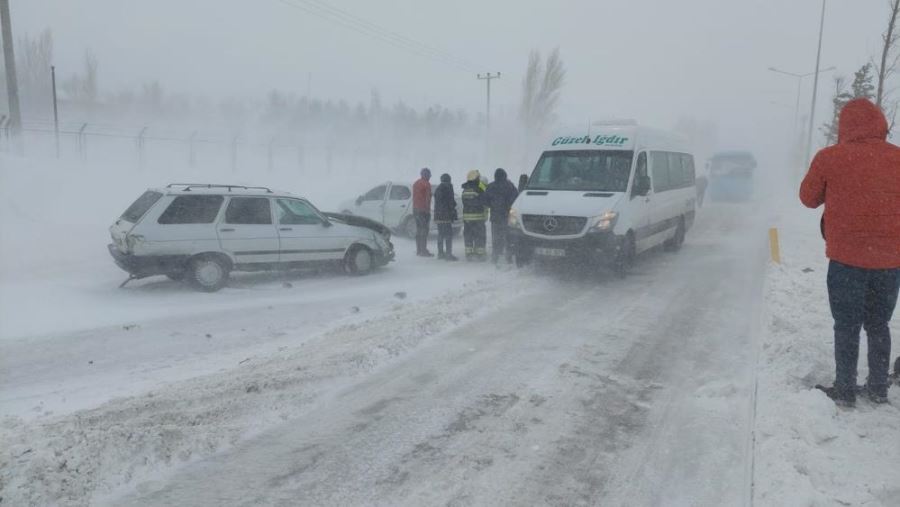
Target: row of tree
<point>870,81</point>
<point>285,113</point>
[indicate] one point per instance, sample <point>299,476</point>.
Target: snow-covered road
<point>531,388</point>
<point>426,383</point>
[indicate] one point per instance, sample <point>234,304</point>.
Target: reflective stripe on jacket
<point>474,205</point>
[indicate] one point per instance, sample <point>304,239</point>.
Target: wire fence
<point>324,151</point>
<point>142,146</point>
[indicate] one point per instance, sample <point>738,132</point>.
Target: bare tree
<point>90,88</point>
<point>33,63</point>
<point>84,88</point>
<point>888,63</point>
<point>541,89</point>
<point>838,100</point>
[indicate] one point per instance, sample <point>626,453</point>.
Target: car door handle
<point>227,230</point>
<point>285,228</point>
<point>402,205</point>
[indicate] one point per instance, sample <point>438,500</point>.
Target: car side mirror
<point>359,200</point>
<point>641,186</point>
<point>326,223</point>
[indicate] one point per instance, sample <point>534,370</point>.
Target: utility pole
<point>487,136</point>
<point>488,77</point>
<point>55,110</point>
<point>812,109</point>
<point>12,84</point>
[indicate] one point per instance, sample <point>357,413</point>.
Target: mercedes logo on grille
<point>551,224</point>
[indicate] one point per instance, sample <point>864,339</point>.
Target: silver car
<point>203,232</point>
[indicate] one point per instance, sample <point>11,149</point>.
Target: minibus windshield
<point>582,170</point>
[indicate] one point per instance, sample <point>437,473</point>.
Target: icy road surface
<point>480,388</point>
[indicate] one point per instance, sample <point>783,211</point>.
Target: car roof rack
<point>189,186</point>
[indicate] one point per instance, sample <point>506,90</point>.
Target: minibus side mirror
<point>641,186</point>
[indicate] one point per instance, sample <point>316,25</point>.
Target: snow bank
<point>808,451</point>
<point>79,458</point>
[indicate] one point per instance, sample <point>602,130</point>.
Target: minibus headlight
<point>513,218</point>
<point>605,222</point>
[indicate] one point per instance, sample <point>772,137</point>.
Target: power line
<point>325,11</point>
<point>392,34</point>
<point>354,23</point>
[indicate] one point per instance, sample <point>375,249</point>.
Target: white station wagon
<point>203,232</point>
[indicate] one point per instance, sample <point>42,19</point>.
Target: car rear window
<point>140,207</point>
<point>192,209</point>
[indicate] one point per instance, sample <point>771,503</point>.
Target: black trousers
<point>500,241</point>
<point>423,224</point>
<point>445,238</point>
<point>861,298</point>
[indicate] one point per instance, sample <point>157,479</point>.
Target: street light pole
<point>55,110</point>
<point>812,109</point>
<point>799,78</point>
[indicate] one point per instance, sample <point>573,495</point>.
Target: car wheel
<point>359,261</point>
<point>674,244</point>
<point>627,255</point>
<point>209,273</point>
<point>409,228</point>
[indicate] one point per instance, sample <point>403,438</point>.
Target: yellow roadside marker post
<point>774,247</point>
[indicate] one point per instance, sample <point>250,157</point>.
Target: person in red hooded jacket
<point>422,211</point>
<point>858,181</point>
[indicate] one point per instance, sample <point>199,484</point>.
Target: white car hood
<point>566,203</point>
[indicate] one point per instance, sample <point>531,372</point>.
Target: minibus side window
<point>659,163</point>
<point>640,171</point>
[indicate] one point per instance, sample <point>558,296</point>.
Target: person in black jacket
<point>500,196</point>
<point>444,216</point>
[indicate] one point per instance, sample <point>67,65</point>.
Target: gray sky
<point>648,59</point>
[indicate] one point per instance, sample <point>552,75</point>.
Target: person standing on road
<point>474,217</point>
<point>500,196</point>
<point>422,212</point>
<point>444,216</point>
<point>858,181</point>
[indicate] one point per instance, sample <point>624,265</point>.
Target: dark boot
<point>875,395</point>
<point>840,398</point>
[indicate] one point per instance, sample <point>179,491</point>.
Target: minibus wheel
<point>627,254</point>
<point>674,244</point>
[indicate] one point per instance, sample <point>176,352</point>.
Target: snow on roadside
<point>809,452</point>
<point>78,458</point>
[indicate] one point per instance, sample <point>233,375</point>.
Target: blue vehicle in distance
<point>731,176</point>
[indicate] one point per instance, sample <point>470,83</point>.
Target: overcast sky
<point>653,60</point>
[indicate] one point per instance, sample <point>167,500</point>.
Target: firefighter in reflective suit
<point>475,214</point>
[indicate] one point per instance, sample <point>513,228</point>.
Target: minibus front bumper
<point>593,247</point>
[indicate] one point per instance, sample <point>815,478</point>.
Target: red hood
<point>860,120</point>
